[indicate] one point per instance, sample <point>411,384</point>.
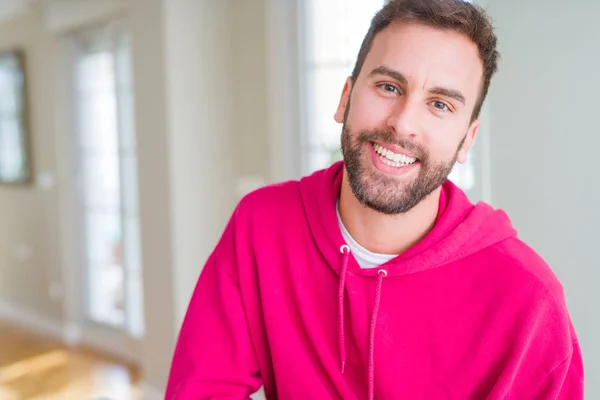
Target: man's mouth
<point>392,159</point>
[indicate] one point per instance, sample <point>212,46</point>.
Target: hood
<point>461,228</point>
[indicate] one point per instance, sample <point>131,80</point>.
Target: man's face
<point>407,118</point>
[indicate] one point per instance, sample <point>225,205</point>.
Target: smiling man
<point>377,278</point>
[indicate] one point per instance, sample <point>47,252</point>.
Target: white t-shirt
<point>364,257</point>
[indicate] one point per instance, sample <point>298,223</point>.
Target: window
<point>463,175</point>
<point>14,166</point>
<point>108,180</point>
<point>332,32</point>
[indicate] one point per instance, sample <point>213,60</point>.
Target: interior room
<point>131,129</point>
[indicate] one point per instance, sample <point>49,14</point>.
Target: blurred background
<point>129,129</point>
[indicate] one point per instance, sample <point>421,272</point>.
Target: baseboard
<point>110,342</point>
<point>32,321</point>
<point>71,334</point>
<point>149,392</point>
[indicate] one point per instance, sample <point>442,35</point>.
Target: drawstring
<point>382,273</point>
<point>346,252</point>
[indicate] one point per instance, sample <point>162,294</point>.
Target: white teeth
<point>392,159</point>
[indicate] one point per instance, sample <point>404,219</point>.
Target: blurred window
<point>108,180</point>
<point>331,34</point>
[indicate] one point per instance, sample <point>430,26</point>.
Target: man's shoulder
<point>526,270</point>
<point>522,255</point>
<point>271,199</point>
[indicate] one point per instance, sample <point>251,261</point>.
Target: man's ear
<point>344,102</point>
<point>469,139</point>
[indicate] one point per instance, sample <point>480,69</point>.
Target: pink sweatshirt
<point>470,312</point>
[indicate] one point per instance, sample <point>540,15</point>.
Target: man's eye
<point>389,88</point>
<point>440,105</point>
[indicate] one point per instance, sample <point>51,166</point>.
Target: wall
<point>201,119</point>
<point>200,92</point>
<point>186,92</point>
<point>545,140</point>
<point>147,24</point>
<point>29,232</point>
<point>38,285</point>
<point>63,15</point>
<point>249,90</point>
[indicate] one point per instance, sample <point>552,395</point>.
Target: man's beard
<point>383,193</point>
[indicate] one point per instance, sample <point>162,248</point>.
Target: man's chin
<point>381,194</point>
<point>389,207</point>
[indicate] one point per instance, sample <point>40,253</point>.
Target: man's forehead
<point>427,55</point>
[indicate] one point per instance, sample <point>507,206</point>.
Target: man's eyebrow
<point>389,72</point>
<point>454,94</point>
<point>442,91</point>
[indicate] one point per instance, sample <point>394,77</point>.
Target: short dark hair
<point>456,15</point>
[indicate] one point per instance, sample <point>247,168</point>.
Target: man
<point>377,278</point>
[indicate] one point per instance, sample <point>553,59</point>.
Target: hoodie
<point>470,312</point>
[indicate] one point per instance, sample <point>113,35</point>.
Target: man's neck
<point>387,234</point>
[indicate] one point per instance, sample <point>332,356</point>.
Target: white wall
<point>30,223</point>
<point>200,94</point>
<point>148,48</point>
<point>545,140</point>
<point>187,110</point>
<point>200,122</point>
<point>249,88</point>
<point>65,15</point>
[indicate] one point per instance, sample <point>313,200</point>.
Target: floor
<point>35,368</point>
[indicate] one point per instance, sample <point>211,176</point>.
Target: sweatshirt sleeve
<point>214,357</point>
<point>568,377</point>
<point>565,382</point>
